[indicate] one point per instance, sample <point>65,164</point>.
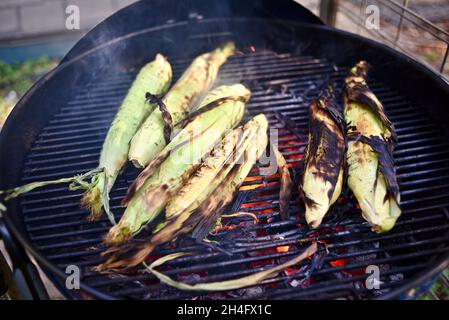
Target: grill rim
<point>52,270</point>
<point>282,9</point>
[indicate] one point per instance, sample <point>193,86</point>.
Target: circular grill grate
<point>283,85</point>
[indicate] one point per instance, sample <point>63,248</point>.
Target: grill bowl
<point>57,129</point>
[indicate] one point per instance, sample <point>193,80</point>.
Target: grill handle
<point>24,282</point>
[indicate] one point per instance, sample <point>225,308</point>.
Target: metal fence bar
<point>401,22</point>
<point>424,26</point>
<point>358,20</point>
<point>363,4</point>
<point>414,14</point>
<point>328,11</point>
<point>405,14</point>
<point>444,59</point>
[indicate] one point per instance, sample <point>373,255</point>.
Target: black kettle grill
<point>286,56</point>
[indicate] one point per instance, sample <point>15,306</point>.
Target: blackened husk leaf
<point>326,149</point>
<point>286,184</point>
<point>210,210</point>
<point>143,176</point>
<point>203,218</point>
<point>132,254</point>
<point>357,90</point>
<point>288,123</point>
<point>309,202</point>
<point>384,149</point>
<point>166,116</point>
<point>210,106</point>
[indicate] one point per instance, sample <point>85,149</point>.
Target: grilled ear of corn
<point>215,203</point>
<point>149,140</point>
<point>371,175</point>
<point>180,158</point>
<point>210,189</point>
<point>217,166</point>
<point>155,78</point>
<point>323,167</point>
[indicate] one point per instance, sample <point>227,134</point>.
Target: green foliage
<point>20,76</point>
<point>439,289</point>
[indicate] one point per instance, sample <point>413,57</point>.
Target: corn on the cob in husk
<point>150,139</point>
<point>215,203</point>
<point>151,190</point>
<point>324,160</point>
<point>210,189</point>
<point>217,166</point>
<point>154,77</point>
<point>371,172</point>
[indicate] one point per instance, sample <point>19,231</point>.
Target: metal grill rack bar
<point>281,84</point>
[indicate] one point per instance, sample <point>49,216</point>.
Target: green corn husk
<point>210,189</point>
<point>149,140</point>
<point>154,77</point>
<point>214,184</point>
<point>151,190</point>
<point>75,183</point>
<point>324,160</point>
<point>371,172</point>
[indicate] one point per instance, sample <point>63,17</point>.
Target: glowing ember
<point>253,178</point>
<point>264,211</point>
<point>291,149</point>
<point>252,48</point>
<point>355,272</point>
<point>290,136</point>
<point>282,249</point>
<point>293,164</point>
<point>262,263</point>
<point>255,204</point>
<point>338,228</point>
<point>314,234</point>
<point>291,271</point>
<point>338,263</point>
<point>273,176</point>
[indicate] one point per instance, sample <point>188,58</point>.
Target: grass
<point>439,289</point>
